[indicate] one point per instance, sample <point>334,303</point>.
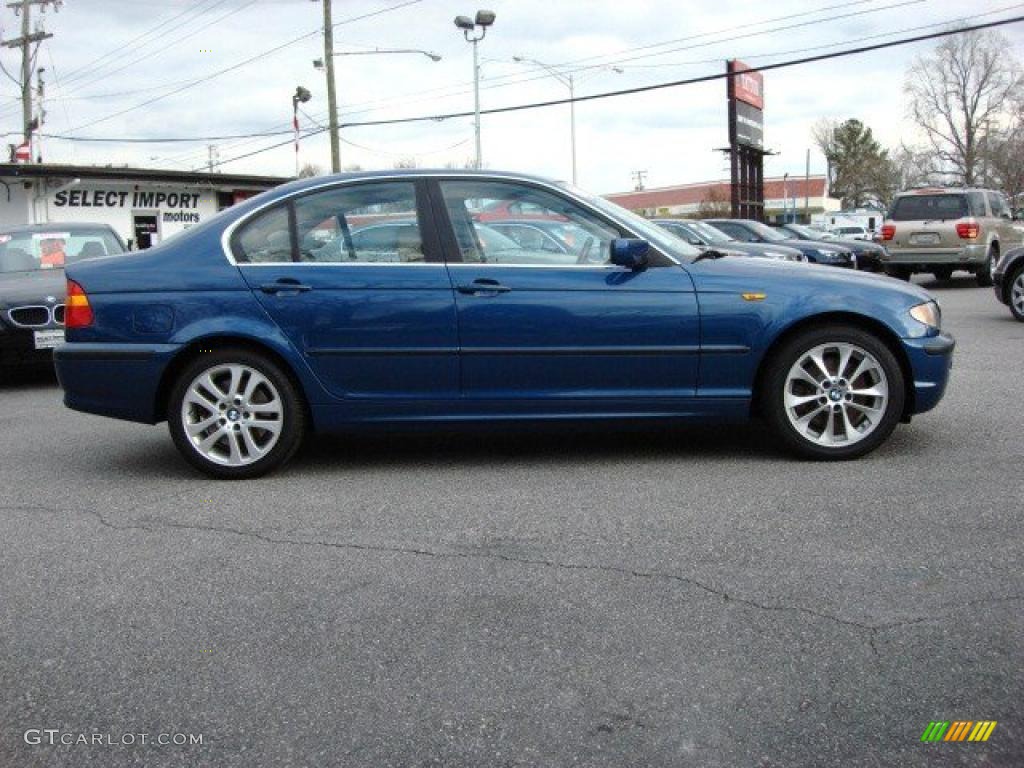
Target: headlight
<point>928,313</point>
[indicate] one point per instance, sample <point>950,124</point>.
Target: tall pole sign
<point>745,89</point>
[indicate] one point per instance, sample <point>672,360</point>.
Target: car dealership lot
<point>692,597</point>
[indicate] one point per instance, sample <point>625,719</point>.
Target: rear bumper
<point>930,361</point>
<point>972,255</point>
<point>116,380</point>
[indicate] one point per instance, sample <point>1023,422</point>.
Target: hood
<point>760,249</point>
<point>858,246</point>
<point>816,278</point>
<point>21,288</point>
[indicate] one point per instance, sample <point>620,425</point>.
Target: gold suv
<point>939,230</point>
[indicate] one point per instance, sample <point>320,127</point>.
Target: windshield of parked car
<point>663,240</point>
<point>53,249</point>
<point>767,233</point>
<point>709,234</point>
<point>803,231</point>
<point>929,207</point>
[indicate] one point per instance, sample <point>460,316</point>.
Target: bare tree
<point>309,170</point>
<point>823,132</point>
<point>715,205</point>
<point>405,162</point>
<point>352,168</point>
<point>959,91</point>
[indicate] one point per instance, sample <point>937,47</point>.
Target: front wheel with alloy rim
<point>835,392</point>
<point>1017,293</point>
<point>235,414</point>
<point>984,273</point>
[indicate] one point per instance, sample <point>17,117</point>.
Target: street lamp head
<point>464,22</point>
<point>485,18</point>
<point>618,70</point>
<point>318,64</point>
<point>302,95</point>
<point>434,56</point>
<point>518,59</point>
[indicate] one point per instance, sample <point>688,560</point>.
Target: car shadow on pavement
<point>955,283</point>
<point>490,446</point>
<point>28,377</point>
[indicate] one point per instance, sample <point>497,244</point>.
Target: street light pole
<point>327,64</point>
<point>332,98</point>
<point>483,20</point>
<point>569,81</point>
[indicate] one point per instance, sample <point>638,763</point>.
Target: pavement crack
<point>871,629</point>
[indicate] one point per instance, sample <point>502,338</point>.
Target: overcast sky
<point>109,56</point>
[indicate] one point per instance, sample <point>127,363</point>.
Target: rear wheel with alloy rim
<point>833,393</point>
<point>234,414</point>
<point>1017,293</point>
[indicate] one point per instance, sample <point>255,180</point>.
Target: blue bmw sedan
<point>277,317</point>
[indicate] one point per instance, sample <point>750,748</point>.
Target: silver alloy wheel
<point>232,414</point>
<point>836,394</point>
<point>1017,293</point>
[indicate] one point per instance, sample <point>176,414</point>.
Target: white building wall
<point>176,206</point>
<point>13,210</point>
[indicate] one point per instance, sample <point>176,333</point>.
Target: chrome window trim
<point>225,238</point>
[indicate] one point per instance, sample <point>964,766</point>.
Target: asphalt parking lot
<point>684,598</point>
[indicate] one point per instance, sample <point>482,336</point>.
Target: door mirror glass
<point>629,252</point>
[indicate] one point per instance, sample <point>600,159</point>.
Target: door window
<point>735,231</point>
<point>265,239</point>
<point>368,223</point>
<point>474,206</point>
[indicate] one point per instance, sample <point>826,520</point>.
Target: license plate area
<point>48,339</point>
<point>925,238</point>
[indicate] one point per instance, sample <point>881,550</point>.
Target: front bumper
<point>973,254</point>
<point>17,347</point>
<point>931,358</point>
<point>121,381</point>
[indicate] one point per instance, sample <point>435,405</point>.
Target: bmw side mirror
<point>629,252</point>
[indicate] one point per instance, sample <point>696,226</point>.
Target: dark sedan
<point>868,254</point>
<point>707,238</point>
<point>32,284</point>
<point>819,252</point>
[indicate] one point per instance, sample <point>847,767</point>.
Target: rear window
<point>926,207</point>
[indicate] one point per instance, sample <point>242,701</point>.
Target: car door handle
<point>483,287</point>
<point>285,285</point>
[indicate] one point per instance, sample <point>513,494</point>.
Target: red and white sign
<point>746,84</point>
<point>23,154</point>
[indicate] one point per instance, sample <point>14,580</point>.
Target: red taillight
<point>888,231</point>
<point>967,230</point>
<point>77,312</point>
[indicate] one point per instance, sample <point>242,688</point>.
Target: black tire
<point>984,273</point>
<point>900,273</point>
<point>1017,274</point>
<point>942,273</point>
<point>293,414</point>
<point>773,390</point>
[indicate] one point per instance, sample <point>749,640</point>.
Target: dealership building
<point>143,205</point>
<point>800,198</point>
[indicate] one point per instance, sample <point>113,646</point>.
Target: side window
<point>998,204</point>
<point>585,237</point>
<point>365,223</point>
<point>265,239</point>
<point>976,202</point>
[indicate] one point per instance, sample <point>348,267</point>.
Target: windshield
<point>709,234</point>
<point>52,249</point>
<point>803,231</point>
<point>849,230</point>
<point>766,233</point>
<point>660,238</point>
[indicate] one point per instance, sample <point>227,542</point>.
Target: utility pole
<point>41,117</point>
<point>213,157</point>
<point>807,189</point>
<point>332,99</point>
<point>638,177</point>
<point>25,42</point>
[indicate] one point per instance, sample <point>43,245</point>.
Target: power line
<point>241,64</point>
<point>653,87</point>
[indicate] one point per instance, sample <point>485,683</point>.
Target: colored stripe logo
<point>958,730</point>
